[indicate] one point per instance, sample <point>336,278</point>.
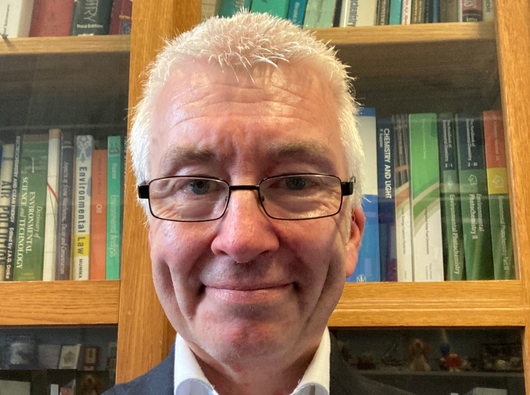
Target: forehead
<point>225,113</point>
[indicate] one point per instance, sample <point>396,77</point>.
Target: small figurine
<point>419,352</point>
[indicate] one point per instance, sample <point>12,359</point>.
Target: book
<point>368,268</point>
<point>10,387</point>
<point>64,205</point>
<point>406,12</point>
<point>474,197</point>
<point>453,239</point>
<point>418,11</point>
<point>15,17</point>
<point>358,13</point>
<point>51,18</point>
<point>84,145</point>
<point>319,14</point>
<point>435,11</point>
<point>402,196</point>
<point>31,208</point>
<point>209,8</point>
<point>296,12</point>
<point>50,233</point>
<point>499,198</point>
<point>91,17</point>
<point>488,12</point>
<point>227,8</point>
<point>471,10</point>
<point>98,225</point>
<point>383,11</point>
<point>13,211</point>
<point>121,18</point>
<point>6,187</point>
<point>277,8</point>
<point>386,199</point>
<point>114,193</point>
<point>394,17</point>
<point>425,197</point>
<point>449,10</point>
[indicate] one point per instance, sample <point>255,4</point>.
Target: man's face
<point>247,286</point>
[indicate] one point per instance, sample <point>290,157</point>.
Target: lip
<point>248,294</point>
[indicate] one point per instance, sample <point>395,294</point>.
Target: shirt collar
<point>190,379</point>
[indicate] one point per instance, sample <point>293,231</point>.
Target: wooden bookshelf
<point>40,303</point>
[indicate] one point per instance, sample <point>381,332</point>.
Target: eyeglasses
<point>285,197</point>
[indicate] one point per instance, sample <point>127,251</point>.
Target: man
<point>249,162</point>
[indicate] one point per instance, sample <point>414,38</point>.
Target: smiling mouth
<point>248,295</point>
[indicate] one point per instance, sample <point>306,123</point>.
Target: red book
<point>98,219</point>
<point>51,18</point>
<point>121,20</point>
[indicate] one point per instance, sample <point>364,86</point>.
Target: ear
<point>354,243</point>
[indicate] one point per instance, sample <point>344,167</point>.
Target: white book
<point>6,186</point>
<point>406,12</point>
<point>487,10</point>
<point>54,389</point>
<point>15,18</point>
<point>50,233</point>
<point>82,200</point>
<point>358,13</point>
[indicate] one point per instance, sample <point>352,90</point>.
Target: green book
<point>319,14</point>
<point>230,7</point>
<point>474,197</point>
<point>114,192</point>
<point>425,197</point>
<point>29,256</point>
<point>453,239</point>
<point>277,8</point>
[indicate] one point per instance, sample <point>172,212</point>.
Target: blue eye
<point>199,187</point>
<point>295,183</point>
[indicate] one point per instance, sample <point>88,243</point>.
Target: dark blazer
<point>343,379</point>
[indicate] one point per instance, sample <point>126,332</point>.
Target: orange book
<point>98,225</point>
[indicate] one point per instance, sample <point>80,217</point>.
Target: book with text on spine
<point>453,239</point>
<point>31,208</point>
<point>13,211</point>
<point>91,17</point>
<point>114,194</point>
<point>474,197</point>
<point>319,14</point>
<point>358,13</point>
<point>6,188</point>
<point>499,197</point>
<point>98,226</point>
<point>15,17</point>
<point>368,267</point>
<point>296,12</point>
<point>121,19</point>
<point>277,8</point>
<point>82,204</point>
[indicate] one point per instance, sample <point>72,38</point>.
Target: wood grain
<point>144,334</point>
<point>59,303</point>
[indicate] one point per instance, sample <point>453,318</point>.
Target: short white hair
<point>242,41</point>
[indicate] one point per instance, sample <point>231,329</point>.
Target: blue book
<point>435,11</point>
<point>368,267</point>
<point>297,12</point>
<point>386,197</point>
<point>395,12</point>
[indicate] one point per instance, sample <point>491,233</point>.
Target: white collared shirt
<point>190,379</point>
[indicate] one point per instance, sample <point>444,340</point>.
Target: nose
<point>245,231</point>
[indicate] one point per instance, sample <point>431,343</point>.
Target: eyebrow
<point>179,155</point>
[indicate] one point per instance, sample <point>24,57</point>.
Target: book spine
<point>418,11</point>
<point>326,14</point>
<point>402,196</point>
<point>16,17</point>
<point>336,15</point>
<point>386,199</point>
<point>64,220</point>
<point>82,204</point>
<point>499,199</point>
<point>91,17</point>
<point>428,11</point>
<point>13,211</point>
<point>453,241</point>
<point>368,267</point>
<point>98,226</point>
<point>114,191</point>
<point>449,10</point>
<point>51,18</point>
<point>474,197</point>
<point>31,208</point>
<point>277,8</point>
<point>228,8</point>
<point>488,13</point>
<point>395,12</point>
<point>297,12</point>
<point>383,9</point>
<point>121,19</point>
<point>471,10</point>
<point>50,233</point>
<point>425,197</point>
<point>6,187</point>
<point>406,12</point>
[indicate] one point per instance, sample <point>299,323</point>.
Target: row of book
<point>436,198</point>
<point>54,18</point>
<point>343,13</point>
<point>60,208</point>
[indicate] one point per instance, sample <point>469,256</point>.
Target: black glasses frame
<point>346,188</point>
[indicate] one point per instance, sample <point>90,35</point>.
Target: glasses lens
<point>301,196</point>
<point>188,198</point>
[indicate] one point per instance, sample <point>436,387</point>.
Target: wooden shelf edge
<point>42,303</point>
<point>65,45</point>
<point>408,34</point>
